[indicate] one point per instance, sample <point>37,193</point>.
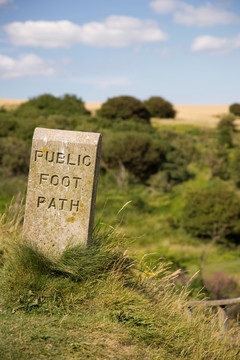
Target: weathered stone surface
<point>62,188</point>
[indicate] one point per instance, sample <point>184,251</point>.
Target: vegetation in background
<point>234,162</point>
<point>159,107</point>
<point>48,104</point>
<point>124,108</point>
<point>235,109</point>
<point>212,213</point>
<point>153,169</point>
<point>227,121</point>
<point>226,127</point>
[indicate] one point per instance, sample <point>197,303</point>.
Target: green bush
<point>180,151</point>
<point>8,124</point>
<point>225,128</point>
<point>222,286</point>
<point>235,109</point>
<point>175,167</point>
<point>234,161</point>
<point>48,105</point>
<point>225,137</point>
<point>213,213</point>
<point>124,108</point>
<point>219,163</point>
<point>14,156</point>
<point>144,153</point>
<point>159,107</point>
<point>227,121</point>
<point>139,153</point>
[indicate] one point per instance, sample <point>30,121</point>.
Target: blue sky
<point>186,51</point>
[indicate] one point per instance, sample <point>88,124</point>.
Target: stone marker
<point>62,188</point>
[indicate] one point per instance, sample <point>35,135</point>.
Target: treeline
<point>129,139</point>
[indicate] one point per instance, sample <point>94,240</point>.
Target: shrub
<point>217,160</point>
<point>124,108</point>
<point>175,166</point>
<point>48,105</point>
<point>225,137</point>
<point>70,104</point>
<point>14,156</point>
<point>227,121</point>
<point>213,213</point>
<point>235,109</point>
<point>225,128</point>
<point>7,124</point>
<point>58,121</point>
<point>222,286</point>
<point>144,153</point>
<point>234,161</point>
<point>159,107</point>
<point>137,152</point>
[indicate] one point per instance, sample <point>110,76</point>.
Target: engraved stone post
<point>62,188</point>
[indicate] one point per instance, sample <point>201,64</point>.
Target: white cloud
<point>25,65</point>
<point>3,2</point>
<point>105,83</point>
<point>214,44</point>
<point>188,15</point>
<point>115,31</point>
<point>164,6</point>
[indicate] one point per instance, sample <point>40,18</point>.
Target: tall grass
<point>99,288</point>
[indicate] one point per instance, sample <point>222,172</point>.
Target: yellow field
<point>200,115</point>
<point>11,103</point>
<point>93,106</point>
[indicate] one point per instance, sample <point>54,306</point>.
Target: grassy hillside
<point>99,303</point>
<point>104,303</point>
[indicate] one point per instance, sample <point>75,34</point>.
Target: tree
<point>137,152</point>
<point>124,108</point>
<point>159,107</point>
<point>47,104</point>
<point>212,213</point>
<point>235,109</point>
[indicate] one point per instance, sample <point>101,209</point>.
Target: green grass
<point>103,302</point>
<point>181,128</point>
<point>151,220</point>
<point>99,303</point>
<point>86,336</point>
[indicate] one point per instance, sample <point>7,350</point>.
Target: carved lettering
<point>62,203</point>
<point>50,157</point>
<point>74,205</point>
<point>54,180</point>
<point>68,160</point>
<point>52,204</point>
<point>61,158</point>
<point>58,204</point>
<point>66,181</point>
<point>86,160</point>
<point>43,177</point>
<point>76,183</point>
<point>38,153</point>
<point>40,200</point>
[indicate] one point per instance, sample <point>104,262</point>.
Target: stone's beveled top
<point>76,137</point>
